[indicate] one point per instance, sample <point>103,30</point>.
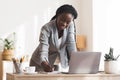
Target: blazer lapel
<point>55,33</point>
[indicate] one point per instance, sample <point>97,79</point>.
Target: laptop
<point>84,62</point>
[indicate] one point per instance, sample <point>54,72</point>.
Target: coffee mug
<point>30,69</point>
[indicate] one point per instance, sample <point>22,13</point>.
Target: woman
<point>57,40</point>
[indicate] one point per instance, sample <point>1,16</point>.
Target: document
<point>54,72</point>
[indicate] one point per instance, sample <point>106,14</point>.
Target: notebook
<point>84,62</point>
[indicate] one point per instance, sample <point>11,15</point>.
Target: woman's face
<point>63,20</point>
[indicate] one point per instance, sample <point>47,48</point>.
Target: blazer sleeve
<point>44,45</point>
<point>71,41</point>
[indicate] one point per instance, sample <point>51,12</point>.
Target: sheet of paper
<point>54,72</point>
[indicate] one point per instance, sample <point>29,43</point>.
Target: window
<point>106,23</point>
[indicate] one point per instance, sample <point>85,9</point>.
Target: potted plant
<point>111,63</point>
<point>8,47</point>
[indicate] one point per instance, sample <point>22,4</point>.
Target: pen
<point>47,61</point>
<point>50,66</point>
<point>21,59</point>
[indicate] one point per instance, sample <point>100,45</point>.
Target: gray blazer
<point>49,48</point>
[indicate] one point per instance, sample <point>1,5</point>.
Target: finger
<point>47,68</point>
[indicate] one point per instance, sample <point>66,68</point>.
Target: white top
<point>57,61</point>
<point>59,41</point>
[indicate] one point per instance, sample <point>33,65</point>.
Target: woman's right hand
<point>46,67</point>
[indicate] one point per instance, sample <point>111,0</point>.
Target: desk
<point>98,76</point>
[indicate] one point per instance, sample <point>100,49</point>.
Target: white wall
<point>100,28</point>
<point>85,23</point>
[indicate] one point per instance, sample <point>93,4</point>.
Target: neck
<point>60,33</point>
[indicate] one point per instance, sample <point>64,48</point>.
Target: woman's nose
<point>64,23</point>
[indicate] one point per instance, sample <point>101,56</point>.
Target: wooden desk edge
<point>101,74</point>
